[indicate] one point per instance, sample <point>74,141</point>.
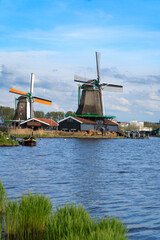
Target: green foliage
<point>28,217</point>
<point>2,197</point>
<point>69,113</point>
<point>39,114</point>
<point>6,113</point>
<point>56,116</point>
<point>74,223</point>
<point>5,140</point>
<point>151,125</point>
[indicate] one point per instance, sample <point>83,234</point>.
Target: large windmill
<point>90,102</point>
<point>24,109</point>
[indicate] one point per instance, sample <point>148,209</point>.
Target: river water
<point>116,177</point>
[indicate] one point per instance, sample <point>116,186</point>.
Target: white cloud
<point>117,108</point>
<point>150,113</point>
<point>149,105</point>
<point>154,96</point>
<point>124,101</point>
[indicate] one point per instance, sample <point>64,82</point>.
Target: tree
<point>69,113</point>
<point>39,114</point>
<point>6,113</point>
<point>56,116</point>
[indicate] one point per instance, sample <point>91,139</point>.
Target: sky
<point>56,39</point>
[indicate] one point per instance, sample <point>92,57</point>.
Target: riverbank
<point>20,133</point>
<point>6,140</point>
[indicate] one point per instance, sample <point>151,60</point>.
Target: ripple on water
<point>109,177</point>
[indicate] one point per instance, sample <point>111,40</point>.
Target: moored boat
<point>28,141</point>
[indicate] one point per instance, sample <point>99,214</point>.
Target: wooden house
<point>39,123</point>
<point>75,124</point>
<point>110,126</point>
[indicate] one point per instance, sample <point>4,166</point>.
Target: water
<point>117,177</point>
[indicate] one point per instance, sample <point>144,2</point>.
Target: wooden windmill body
<point>24,108</point>
<point>21,109</point>
<point>90,101</point>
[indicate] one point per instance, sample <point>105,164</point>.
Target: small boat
<point>28,141</point>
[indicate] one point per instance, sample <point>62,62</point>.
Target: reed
<point>3,196</point>
<point>74,223</point>
<point>27,218</point>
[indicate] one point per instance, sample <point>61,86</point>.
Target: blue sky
<point>57,39</point>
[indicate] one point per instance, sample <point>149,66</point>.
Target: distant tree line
<point>152,125</point>
<point>7,113</point>
<point>56,116</point>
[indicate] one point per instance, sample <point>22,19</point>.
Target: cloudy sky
<point>56,39</point>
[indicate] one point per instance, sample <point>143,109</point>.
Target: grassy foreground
<point>6,140</point>
<point>33,217</point>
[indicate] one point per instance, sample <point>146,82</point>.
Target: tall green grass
<point>33,218</point>
<point>74,223</point>
<point>3,196</point>
<point>27,218</point>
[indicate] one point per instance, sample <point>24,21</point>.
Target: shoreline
<point>21,133</point>
<point>7,141</point>
<point>90,134</point>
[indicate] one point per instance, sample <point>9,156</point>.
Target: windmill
<point>90,102</point>
<point>24,109</point>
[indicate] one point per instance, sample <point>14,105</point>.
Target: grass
<point>27,218</point>
<point>33,218</point>
<point>5,140</point>
<point>74,223</point>
<point>3,197</point>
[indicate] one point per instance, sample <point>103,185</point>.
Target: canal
<point>116,177</point>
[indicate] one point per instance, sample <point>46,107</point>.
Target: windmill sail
<point>42,100</point>
<point>27,109</point>
<point>98,65</point>
<point>112,88</point>
<point>83,80</point>
<point>17,92</point>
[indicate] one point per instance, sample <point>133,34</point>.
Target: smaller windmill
<point>91,102</point>
<point>25,105</point>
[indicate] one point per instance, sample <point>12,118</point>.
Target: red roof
<point>49,121</point>
<point>109,122</point>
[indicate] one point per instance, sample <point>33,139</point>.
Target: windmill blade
<point>112,88</point>
<point>42,100</point>
<point>82,79</point>
<point>86,83</point>
<point>17,92</point>
<point>32,83</point>
<point>98,65</point>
